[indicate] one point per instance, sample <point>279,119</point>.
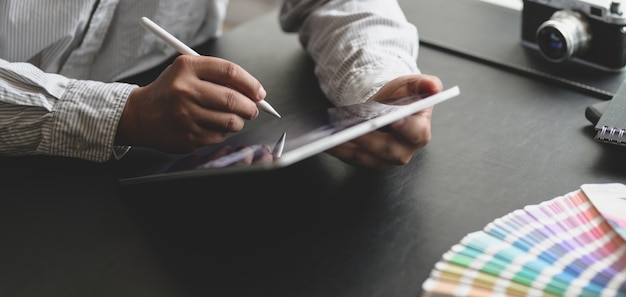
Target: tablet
<point>285,141</point>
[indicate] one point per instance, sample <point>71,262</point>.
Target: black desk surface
<point>491,34</point>
<point>317,228</point>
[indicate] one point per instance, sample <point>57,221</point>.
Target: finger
<point>229,74</point>
<point>414,129</point>
<point>409,85</point>
<point>376,148</point>
<point>215,120</point>
<point>186,136</point>
<point>222,98</point>
<point>244,156</point>
<point>386,147</point>
<point>429,84</point>
<point>264,156</point>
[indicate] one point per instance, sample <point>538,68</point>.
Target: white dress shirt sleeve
<point>357,45</point>
<point>49,114</point>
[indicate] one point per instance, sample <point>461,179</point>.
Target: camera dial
<point>564,35</point>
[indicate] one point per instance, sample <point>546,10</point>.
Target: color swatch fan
<point>573,245</point>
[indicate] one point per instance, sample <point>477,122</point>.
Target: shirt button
<point>79,146</point>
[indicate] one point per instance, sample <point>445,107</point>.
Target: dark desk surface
<point>317,228</point>
<point>491,34</point>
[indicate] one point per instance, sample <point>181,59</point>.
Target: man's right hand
<point>195,101</point>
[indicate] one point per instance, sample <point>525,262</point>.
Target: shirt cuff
<point>85,121</point>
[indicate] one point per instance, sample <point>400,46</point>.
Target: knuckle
<point>424,139</point>
<point>398,158</point>
<point>211,138</point>
<point>185,58</point>
<point>233,124</point>
<point>397,155</point>
<point>403,161</point>
<point>231,71</point>
<point>230,98</point>
<point>420,137</point>
<point>182,61</point>
<point>181,115</point>
<point>180,88</point>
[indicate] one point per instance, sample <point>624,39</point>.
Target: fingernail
<point>262,93</point>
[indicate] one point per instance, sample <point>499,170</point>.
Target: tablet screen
<point>284,141</point>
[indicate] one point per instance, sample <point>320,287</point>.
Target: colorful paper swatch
<point>561,247</point>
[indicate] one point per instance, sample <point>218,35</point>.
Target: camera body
<point>590,32</point>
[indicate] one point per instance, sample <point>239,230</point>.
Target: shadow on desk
<point>315,227</point>
<point>275,231</point>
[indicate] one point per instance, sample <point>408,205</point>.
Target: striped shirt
<point>60,61</point>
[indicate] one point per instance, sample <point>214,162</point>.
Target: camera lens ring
<point>564,35</point>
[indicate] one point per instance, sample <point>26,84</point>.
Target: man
<point>60,60</point>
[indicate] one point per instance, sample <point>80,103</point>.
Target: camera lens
<point>564,35</point>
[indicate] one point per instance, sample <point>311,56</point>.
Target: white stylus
<point>186,50</point>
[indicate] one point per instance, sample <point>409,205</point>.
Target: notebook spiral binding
<point>612,135</point>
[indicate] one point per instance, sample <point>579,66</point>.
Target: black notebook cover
<point>611,126</point>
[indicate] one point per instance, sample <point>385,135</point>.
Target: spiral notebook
<point>571,245</point>
<point>611,126</point>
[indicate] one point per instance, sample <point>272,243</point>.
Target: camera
<point>589,32</point>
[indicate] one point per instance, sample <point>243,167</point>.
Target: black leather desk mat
<point>492,34</point>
